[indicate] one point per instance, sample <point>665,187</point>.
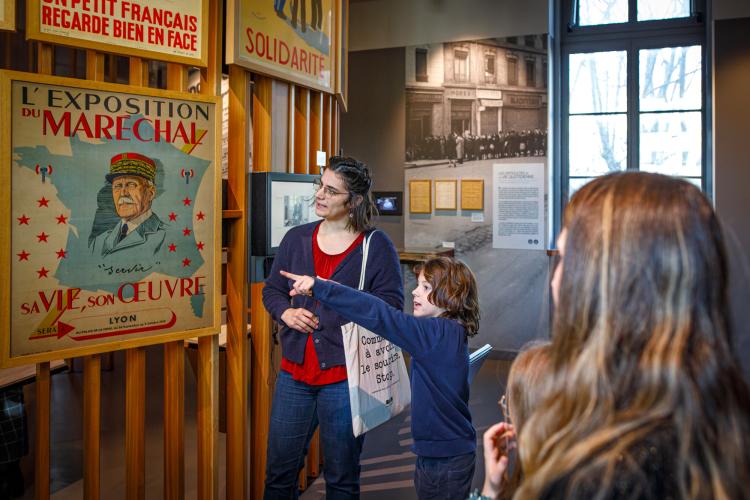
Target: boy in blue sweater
<point>446,313</point>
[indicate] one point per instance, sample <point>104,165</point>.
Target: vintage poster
<point>113,218</point>
<point>8,15</point>
<point>518,206</point>
<point>284,39</point>
<point>167,30</point>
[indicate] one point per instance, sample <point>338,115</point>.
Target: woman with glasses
<point>312,388</point>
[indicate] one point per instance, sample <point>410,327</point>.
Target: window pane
<point>602,12</point>
<point>597,144</point>
<point>696,181</point>
<point>670,78</point>
<point>671,143</point>
<point>576,183</point>
<point>597,82</point>
<point>662,9</point>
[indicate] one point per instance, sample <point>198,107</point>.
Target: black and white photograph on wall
<point>296,210</point>
<point>476,101</point>
<point>471,106</point>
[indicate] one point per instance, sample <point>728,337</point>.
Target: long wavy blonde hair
<point>641,347</point>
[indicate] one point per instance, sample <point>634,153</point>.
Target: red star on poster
<point>186,201</point>
<point>61,254</point>
<point>24,255</point>
<point>43,202</point>
<point>200,245</point>
<point>173,216</point>
<point>186,232</point>
<point>172,247</point>
<point>23,220</point>
<point>185,262</point>
<point>42,272</point>
<point>61,219</point>
<point>42,237</point>
<point>200,216</point>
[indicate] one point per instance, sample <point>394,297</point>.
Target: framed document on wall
<point>420,196</point>
<point>472,194</point>
<point>445,194</point>
<point>112,236</point>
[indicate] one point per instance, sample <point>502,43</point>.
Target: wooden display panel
<point>8,15</point>
<point>151,30</point>
<point>472,194</point>
<point>342,54</point>
<point>446,194</point>
<point>420,196</point>
<point>267,42</point>
<point>80,286</point>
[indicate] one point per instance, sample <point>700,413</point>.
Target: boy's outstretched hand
<point>302,285</point>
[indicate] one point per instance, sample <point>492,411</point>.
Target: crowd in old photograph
<point>470,147</point>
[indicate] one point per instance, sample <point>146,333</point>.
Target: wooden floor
<point>387,463</point>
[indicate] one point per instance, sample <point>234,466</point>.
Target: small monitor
<point>389,202</point>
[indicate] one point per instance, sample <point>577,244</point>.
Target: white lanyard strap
<point>365,252</point>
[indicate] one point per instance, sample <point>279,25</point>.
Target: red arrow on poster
<point>63,329</point>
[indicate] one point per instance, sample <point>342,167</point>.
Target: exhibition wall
<point>732,165</point>
<point>375,130</point>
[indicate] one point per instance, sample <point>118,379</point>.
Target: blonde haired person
<point>529,376</point>
<point>648,399</point>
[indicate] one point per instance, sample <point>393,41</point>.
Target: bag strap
<point>365,253</point>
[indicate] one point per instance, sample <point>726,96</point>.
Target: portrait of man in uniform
<point>139,232</point>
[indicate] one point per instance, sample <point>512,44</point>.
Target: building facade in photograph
<point>478,88</point>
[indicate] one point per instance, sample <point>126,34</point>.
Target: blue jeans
<point>444,478</point>
<point>296,411</point>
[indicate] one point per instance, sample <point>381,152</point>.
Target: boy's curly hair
<point>454,288</point>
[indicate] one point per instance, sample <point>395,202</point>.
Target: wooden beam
<point>174,420</point>
<point>301,135</point>
<point>92,373</point>
<point>208,347</point>
<point>135,423</point>
<point>41,452</point>
<point>92,365</point>
<point>261,385</point>
<point>236,279</point>
<point>135,375</point>
<point>327,100</point>
<point>316,126</point>
<point>174,372</point>
<point>44,66</point>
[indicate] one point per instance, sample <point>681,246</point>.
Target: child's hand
<point>302,285</point>
<point>498,441</point>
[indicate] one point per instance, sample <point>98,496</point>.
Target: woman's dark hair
<point>356,176</point>
<point>454,288</point>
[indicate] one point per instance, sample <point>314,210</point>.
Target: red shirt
<point>309,371</point>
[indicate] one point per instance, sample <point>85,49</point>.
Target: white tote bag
<point>378,382</point>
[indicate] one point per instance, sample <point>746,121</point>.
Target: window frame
<point>632,36</point>
<point>464,56</point>
<point>420,77</point>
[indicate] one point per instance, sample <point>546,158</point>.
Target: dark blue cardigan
<point>440,418</point>
<point>383,279</point>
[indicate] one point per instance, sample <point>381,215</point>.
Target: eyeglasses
<point>328,191</point>
<point>504,407</point>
